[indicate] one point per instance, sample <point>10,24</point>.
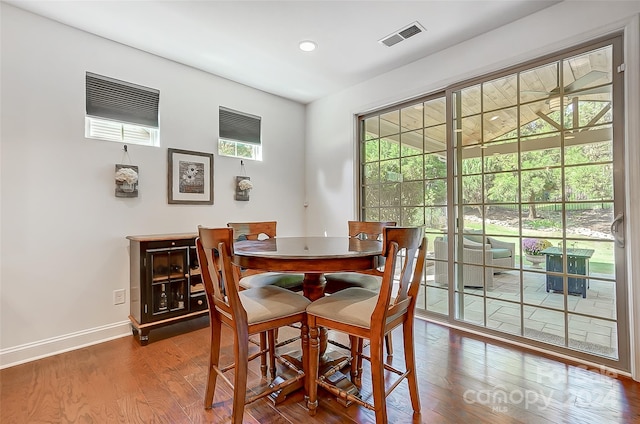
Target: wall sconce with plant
<point>243,185</point>
<point>126,181</point>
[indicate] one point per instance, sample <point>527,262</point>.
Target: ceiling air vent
<point>391,40</point>
<point>402,34</point>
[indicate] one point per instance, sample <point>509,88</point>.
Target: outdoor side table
<point>577,264</point>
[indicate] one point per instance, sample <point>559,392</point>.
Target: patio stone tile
<point>545,315</point>
<point>534,325</point>
<point>591,328</point>
<point>579,318</point>
<point>598,339</point>
<point>509,318</point>
<point>554,329</point>
<point>504,326</point>
<point>505,316</point>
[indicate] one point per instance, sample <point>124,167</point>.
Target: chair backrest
<point>406,247</point>
<point>368,230</point>
<point>253,230</point>
<point>218,276</point>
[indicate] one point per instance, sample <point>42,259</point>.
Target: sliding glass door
<point>518,178</point>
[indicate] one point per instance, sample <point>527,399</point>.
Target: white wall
<point>63,231</point>
<point>331,151</point>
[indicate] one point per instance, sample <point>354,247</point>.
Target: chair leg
<point>389,344</point>
<point>304,336</point>
<point>263,357</point>
<point>377,380</point>
<point>272,353</point>
<point>214,358</point>
<point>357,344</point>
<point>358,381</point>
<point>353,343</point>
<point>241,347</point>
<point>410,362</point>
<point>314,359</point>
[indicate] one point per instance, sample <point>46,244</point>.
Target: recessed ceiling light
<point>308,46</point>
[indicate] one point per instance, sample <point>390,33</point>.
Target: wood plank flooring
<point>462,379</point>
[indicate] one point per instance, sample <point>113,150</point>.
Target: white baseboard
<point>48,347</point>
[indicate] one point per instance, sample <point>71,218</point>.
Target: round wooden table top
<point>307,254</point>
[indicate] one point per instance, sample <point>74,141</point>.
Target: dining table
<point>313,256</point>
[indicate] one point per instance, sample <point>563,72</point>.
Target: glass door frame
<point>618,124</point>
<point>455,249</point>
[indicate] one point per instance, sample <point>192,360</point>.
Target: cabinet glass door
<point>196,288</point>
<point>169,279</point>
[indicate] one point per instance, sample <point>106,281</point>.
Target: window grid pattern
<point>536,145</point>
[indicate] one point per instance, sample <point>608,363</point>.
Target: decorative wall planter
<point>126,180</point>
<point>243,188</point>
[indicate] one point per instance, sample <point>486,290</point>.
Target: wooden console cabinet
<point>165,282</point>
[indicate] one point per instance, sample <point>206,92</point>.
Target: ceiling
<point>256,42</point>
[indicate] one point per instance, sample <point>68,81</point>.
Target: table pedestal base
<point>332,359</point>
<point>341,381</point>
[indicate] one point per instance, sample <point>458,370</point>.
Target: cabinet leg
<point>144,337</point>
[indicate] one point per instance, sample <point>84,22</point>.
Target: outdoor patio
<point>543,317</point>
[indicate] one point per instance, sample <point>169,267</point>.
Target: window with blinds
<point>239,134</point>
<point>121,111</point>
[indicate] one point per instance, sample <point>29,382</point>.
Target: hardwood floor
<point>461,379</point>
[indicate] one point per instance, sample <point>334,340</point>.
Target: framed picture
<point>190,177</point>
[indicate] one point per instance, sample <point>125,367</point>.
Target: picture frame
<point>190,177</point>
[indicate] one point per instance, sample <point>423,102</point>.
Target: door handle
<point>614,229</point>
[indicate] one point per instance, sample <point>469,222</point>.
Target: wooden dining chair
<point>371,279</point>
<point>367,230</point>
<point>253,278</point>
<point>258,310</point>
<point>364,314</point>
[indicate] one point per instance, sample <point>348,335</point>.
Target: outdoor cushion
<point>475,238</point>
<point>501,253</point>
<point>473,244</point>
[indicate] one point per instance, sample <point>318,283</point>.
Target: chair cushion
<point>472,244</point>
<point>501,253</point>
<point>475,235</point>
<point>474,238</point>
<point>352,306</point>
<point>271,302</point>
<point>354,279</point>
<point>278,279</point>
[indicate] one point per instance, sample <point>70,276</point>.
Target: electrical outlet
<point>118,296</point>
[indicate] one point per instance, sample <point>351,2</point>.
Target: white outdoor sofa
<point>496,255</point>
